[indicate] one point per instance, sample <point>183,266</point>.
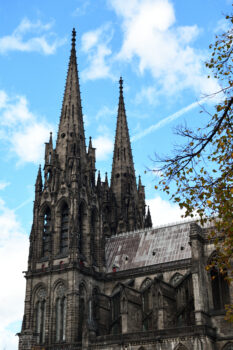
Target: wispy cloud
<point>31,36</point>
<point>22,130</point>
<point>3,185</point>
<point>154,43</point>
<point>167,120</point>
<point>82,9</point>
<point>96,45</point>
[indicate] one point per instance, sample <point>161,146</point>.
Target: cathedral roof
<point>148,247</point>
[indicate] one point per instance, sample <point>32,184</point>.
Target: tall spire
<point>123,181</point>
<point>71,129</point>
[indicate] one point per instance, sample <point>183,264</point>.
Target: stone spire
<point>123,181</point>
<point>39,184</point>
<point>71,138</point>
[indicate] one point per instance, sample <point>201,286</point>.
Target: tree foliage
<point>202,168</point>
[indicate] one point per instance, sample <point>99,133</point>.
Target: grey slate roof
<point>148,247</point>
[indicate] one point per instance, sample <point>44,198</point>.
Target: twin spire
<point>71,128</point>
<point>74,159</point>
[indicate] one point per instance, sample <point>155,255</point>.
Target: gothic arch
<point>180,347</point>
<point>145,283</point>
<point>60,204</point>
<point>43,207</point>
<point>58,282</point>
<point>37,287</point>
<point>175,279</point>
<point>219,285</point>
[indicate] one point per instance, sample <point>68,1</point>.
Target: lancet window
<point>40,315</point>
<point>93,236</point>
<point>116,313</point>
<point>82,226</point>
<point>64,228</point>
<point>61,303</point>
<point>146,307</point>
<point>46,240</point>
<point>82,311</point>
<point>220,289</point>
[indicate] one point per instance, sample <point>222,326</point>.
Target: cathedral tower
<point>72,217</point>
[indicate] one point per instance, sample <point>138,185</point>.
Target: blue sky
<point>158,46</point>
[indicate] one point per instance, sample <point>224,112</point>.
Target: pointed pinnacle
<point>90,143</point>
<point>106,178</point>
<point>39,179</point>
<point>98,179</point>
<point>73,38</point>
<point>139,182</point>
<point>121,85</point>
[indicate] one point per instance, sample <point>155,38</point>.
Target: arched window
<point>96,310</point>
<point>220,289</point>
<point>46,244</point>
<point>82,217</point>
<point>64,228</point>
<point>40,315</point>
<point>93,235</point>
<point>82,311</point>
<point>61,314</point>
<point>175,279</point>
<point>180,347</point>
<point>146,309</point>
<point>228,346</point>
<point>116,313</point>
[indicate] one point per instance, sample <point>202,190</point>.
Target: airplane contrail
<point>166,120</point>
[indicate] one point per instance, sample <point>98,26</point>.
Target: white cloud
<point>22,130</point>
<point>153,40</point>
<point>164,212</point>
<point>3,185</point>
<point>13,255</point>
<point>106,112</point>
<point>82,9</point>
<point>40,39</point>
<point>104,147</point>
<point>95,45</point>
<point>148,94</point>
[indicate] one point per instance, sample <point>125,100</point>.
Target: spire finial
<point>73,38</point>
<point>121,85</point>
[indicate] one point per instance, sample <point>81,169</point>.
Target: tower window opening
<point>49,157</point>
<point>40,321</point>
<point>61,319</point>
<point>64,228</point>
<point>46,240</point>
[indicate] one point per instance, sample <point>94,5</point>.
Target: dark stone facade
<point>99,277</point>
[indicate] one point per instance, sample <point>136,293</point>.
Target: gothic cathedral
<point>99,276</point>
